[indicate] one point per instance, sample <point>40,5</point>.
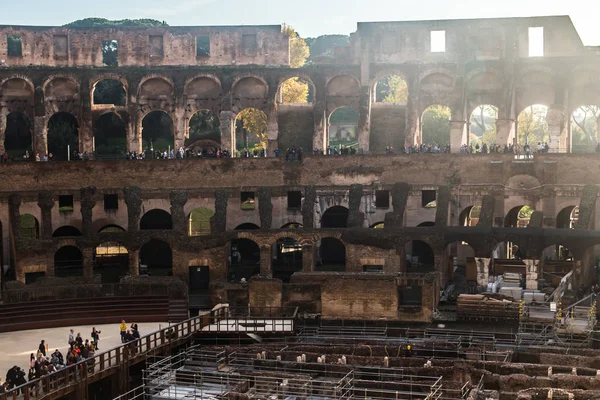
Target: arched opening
<point>426,224</point>
<point>111,261</point>
<point>331,255</point>
<point>469,216</point>
<point>419,257</point>
<point>556,262</point>
<point>377,225</point>
<point>156,219</point>
<point>391,89</point>
<point>199,221</point>
<point>459,257</point>
<point>17,136</point>
<point>251,132</point>
<point>532,127</point>
<point>483,126</point>
<point>248,226</point>
<point>157,134</point>
<point>292,225</point>
<point>30,227</point>
<point>518,217</point>
<point>110,136</point>
<point>296,91</point>
<point>156,258</point>
<point>435,127</point>
<point>244,260</point>
<point>584,129</point>
<point>204,133</point>
<point>65,231</point>
<point>110,92</point>
<point>567,217</point>
<point>335,217</point>
<point>342,131</point>
<point>63,135</point>
<point>68,261</point>
<point>111,229</point>
<point>287,258</point>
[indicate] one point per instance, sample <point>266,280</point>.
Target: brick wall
<point>296,126</point>
<point>387,127</point>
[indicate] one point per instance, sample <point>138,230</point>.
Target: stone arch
<point>523,182</point>
<point>535,85</point>
<point>17,94</point>
<point>109,90</point>
<point>29,226</point>
<point>18,136</point>
<point>585,127</point>
<point>532,126</point>
<point>63,135</point>
<point>254,138</point>
<point>342,130</point>
<point>377,225</point>
<point>243,260</point>
<point>66,231</point>
<point>458,255</point>
<point>110,135</point>
<point>156,219</point>
<point>111,261</point>
<point>435,126</point>
<point>567,217</point>
<point>199,221</point>
<point>484,87</point>
<point>156,258</point>
<point>584,87</point>
<point>390,88</point>
<point>335,217</point>
<point>296,90</point>
<point>61,94</point>
<point>68,262</point>
<point>158,132</point>
<point>483,124</point>
<point>203,92</point>
<point>111,228</point>
<point>203,132</point>
<point>291,225</point>
<point>518,217</point>
<point>419,256</point>
<point>331,254</point>
<point>249,92</point>
<point>155,93</point>
<point>246,227</point>
<point>287,257</point>
<point>469,216</point>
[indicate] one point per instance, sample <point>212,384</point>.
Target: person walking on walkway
<point>123,329</point>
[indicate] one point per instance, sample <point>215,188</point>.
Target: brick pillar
<point>86,133</point>
<point>137,143</point>
<point>505,131</point>
<point>272,129</point>
<point>40,135</point>
<point>531,274</point>
<point>179,124</point>
<point>88,262</point>
<point>320,121</point>
<point>556,130</point>
<point>134,262</point>
<point>227,121</point>
<point>413,119</point>
<point>133,131</point>
<point>178,200</point>
<point>3,115</point>
<point>133,199</point>
<point>265,261</point>
<point>483,270</point>
<point>46,202</point>
<point>364,119</point>
<point>87,204</point>
<point>309,257</point>
<point>459,135</point>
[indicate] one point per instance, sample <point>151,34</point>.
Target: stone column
<point>556,130</point>
<point>179,128</point>
<point>14,214</point>
<point>178,200</point>
<point>3,116</point>
<point>272,129</point>
<point>309,257</point>
<point>483,270</point>
<point>88,262</point>
<point>320,122</point>
<point>40,135</point>
<point>87,204</point>
<point>227,122</point>
<point>531,274</point>
<point>265,261</point>
<point>86,133</point>
<point>364,119</point>
<point>133,199</point>
<point>133,132</point>
<point>134,262</point>
<point>137,142</point>
<point>505,131</point>
<point>413,120</point>
<point>459,135</point>
<point>46,202</point>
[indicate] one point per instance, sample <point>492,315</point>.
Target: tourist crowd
<point>41,363</point>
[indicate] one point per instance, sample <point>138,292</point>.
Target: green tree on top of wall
<point>95,22</point>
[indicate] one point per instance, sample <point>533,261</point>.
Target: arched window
<point>435,126</point>
<point>332,255</point>
<point>157,132</point>
<point>68,261</point>
<point>204,133</point>
<point>111,261</point>
<point>65,231</point>
<point>110,136</point>
<point>532,126</point>
<point>30,227</point>
<point>63,135</point>
<point>251,131</point>
<point>391,89</point>
<point>287,258</point>
<point>244,260</point>
<point>199,221</point>
<point>419,257</point>
<point>110,92</point>
<point>17,136</point>
<point>335,217</point>
<point>156,219</point>
<point>296,91</point>
<point>342,131</point>
<point>483,125</point>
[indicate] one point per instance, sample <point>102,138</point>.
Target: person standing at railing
<point>123,329</point>
<point>95,337</point>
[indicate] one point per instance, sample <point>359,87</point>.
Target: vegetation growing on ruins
<point>94,22</point>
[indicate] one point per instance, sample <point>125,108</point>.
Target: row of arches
<point>198,222</point>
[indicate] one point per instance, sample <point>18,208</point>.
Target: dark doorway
<point>244,260</point>
<point>288,258</point>
<point>199,278</point>
<point>63,135</point>
<point>335,217</point>
<point>157,257</point>
<point>17,137</point>
<point>68,261</point>
<point>332,255</point>
<point>110,137</point>
<point>111,262</point>
<point>156,219</point>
